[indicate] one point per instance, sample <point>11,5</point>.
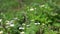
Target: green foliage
<point>35,17</point>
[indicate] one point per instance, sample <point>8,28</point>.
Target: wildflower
<point>37,23</point>
<point>23,24</point>
<point>11,25</point>
<point>21,28</point>
<point>1,32</point>
<point>0,20</point>
<point>8,23</point>
<point>31,9</point>
<point>22,32</point>
<point>42,6</point>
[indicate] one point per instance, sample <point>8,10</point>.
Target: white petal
<point>11,25</point>
<point>36,23</point>
<point>1,32</point>
<point>0,20</point>
<point>21,28</point>
<point>31,9</point>
<point>43,24</point>
<point>23,24</point>
<point>42,6</point>
<point>22,32</point>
